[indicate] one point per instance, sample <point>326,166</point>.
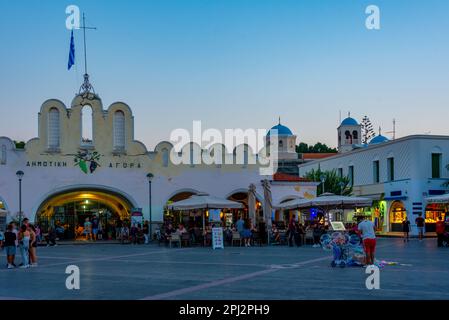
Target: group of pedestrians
<point>25,238</point>
<point>440,229</point>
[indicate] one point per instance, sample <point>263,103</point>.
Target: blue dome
<point>378,139</point>
<point>281,130</point>
<point>349,122</point>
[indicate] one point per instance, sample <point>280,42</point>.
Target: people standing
<point>440,230</point>
<point>240,226</point>
<point>406,229</point>
<point>51,237</point>
<point>146,231</point>
<point>9,245</point>
<point>291,232</point>
<point>88,229</point>
<point>33,245</point>
<point>247,233</point>
<point>95,223</point>
<point>420,224</point>
<point>24,245</point>
<point>317,232</point>
<point>366,228</point>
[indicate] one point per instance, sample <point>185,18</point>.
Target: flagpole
<point>85,53</point>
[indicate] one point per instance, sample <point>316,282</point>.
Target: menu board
<point>217,238</point>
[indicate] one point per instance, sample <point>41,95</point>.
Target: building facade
<point>69,175</point>
<point>398,175</point>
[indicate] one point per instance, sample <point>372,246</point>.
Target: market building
<point>69,176</point>
<point>399,175</point>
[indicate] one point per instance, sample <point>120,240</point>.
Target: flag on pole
<point>71,52</point>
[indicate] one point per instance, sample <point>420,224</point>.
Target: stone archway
<point>70,207</point>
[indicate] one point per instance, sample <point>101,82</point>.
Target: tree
<point>19,144</point>
<point>333,183</point>
<point>317,148</point>
<point>367,130</point>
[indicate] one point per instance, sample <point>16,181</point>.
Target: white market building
<point>68,177</point>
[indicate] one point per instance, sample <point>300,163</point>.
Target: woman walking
<point>24,245</point>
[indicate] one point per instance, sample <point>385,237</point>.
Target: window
<point>340,173</point>
<point>376,175</point>
<point>3,158</point>
<point>355,134</point>
<point>245,156</point>
<point>436,165</point>
<point>119,130</point>
<point>351,175</point>
<point>165,157</point>
<point>281,144</point>
<point>53,129</point>
<point>86,125</point>
<point>390,169</point>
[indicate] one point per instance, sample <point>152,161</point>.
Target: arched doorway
<point>68,210</point>
<point>398,213</point>
<point>242,196</point>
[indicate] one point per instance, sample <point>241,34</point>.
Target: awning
<point>444,198</point>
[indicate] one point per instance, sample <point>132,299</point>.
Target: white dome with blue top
<point>349,122</point>
<point>281,130</point>
<point>379,139</point>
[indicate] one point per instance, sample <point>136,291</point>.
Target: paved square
<point>112,271</point>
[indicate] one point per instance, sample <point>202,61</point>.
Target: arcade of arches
<point>69,210</point>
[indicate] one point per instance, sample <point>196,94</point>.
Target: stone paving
<point>113,271</point>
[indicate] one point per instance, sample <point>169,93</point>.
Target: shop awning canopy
<point>204,201</point>
<point>3,211</point>
<point>328,200</point>
<point>443,198</point>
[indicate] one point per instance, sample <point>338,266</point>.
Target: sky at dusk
<point>233,64</point>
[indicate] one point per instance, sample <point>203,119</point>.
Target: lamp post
<point>150,177</point>
<point>19,175</point>
<point>323,180</point>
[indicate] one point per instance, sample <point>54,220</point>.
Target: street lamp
<point>150,177</point>
<point>323,180</point>
<point>19,175</point>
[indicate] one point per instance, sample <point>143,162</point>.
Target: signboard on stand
<point>217,238</point>
<point>136,216</point>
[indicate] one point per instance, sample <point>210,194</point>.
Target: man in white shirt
<point>366,229</point>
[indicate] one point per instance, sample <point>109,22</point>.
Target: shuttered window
<point>53,129</point>
<point>119,130</point>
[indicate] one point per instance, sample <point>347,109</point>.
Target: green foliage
<point>332,183</point>
<point>317,148</point>
<point>19,144</point>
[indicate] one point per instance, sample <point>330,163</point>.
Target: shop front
<point>398,213</point>
<point>433,212</point>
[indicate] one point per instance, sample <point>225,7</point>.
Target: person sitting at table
<point>181,229</point>
<point>275,236</point>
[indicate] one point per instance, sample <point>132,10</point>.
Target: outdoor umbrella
<point>267,207</point>
<point>252,202</point>
<point>443,198</point>
<point>327,201</point>
<point>204,201</point>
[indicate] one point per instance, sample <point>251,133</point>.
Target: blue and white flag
<point>71,52</point>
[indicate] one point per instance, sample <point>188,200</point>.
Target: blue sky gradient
<point>233,64</point>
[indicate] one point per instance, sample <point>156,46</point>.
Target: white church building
<point>399,175</point>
